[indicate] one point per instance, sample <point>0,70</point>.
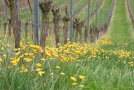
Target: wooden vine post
<point>79,25</point>
<point>14,21</point>
<point>5,27</point>
<point>26,29</point>
<point>74,27</point>
<point>10,26</point>
<point>66,19</point>
<point>16,25</point>
<point>98,32</point>
<point>56,19</point>
<point>86,34</point>
<point>10,4</point>
<point>92,33</point>
<point>45,8</point>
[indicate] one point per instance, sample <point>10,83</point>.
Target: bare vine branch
<point>7,3</point>
<point>30,6</point>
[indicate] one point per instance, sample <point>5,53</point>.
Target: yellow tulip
<point>81,77</point>
<point>38,69</point>
<point>73,84</point>
<point>1,60</point>
<point>41,73</point>
<point>58,67</point>
<point>81,86</point>
<point>73,79</point>
<point>38,65</point>
<point>62,74</point>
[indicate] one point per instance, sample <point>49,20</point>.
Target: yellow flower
<point>16,54</point>
<point>71,58</point>
<point>63,59</point>
<point>21,44</point>
<point>41,73</point>
<point>24,48</point>
<point>47,54</point>
<point>62,74</point>
<point>17,49</point>
<point>58,67</point>
<point>2,48</point>
<point>26,54</point>
<point>81,86</point>
<point>27,60</point>
<point>43,59</point>
<point>1,60</point>
<point>14,62</point>
<point>21,56</point>
<point>31,54</point>
<point>124,62</point>
<point>34,51</point>
<point>26,70</point>
<point>81,77</point>
<point>77,52</point>
<point>38,69</point>
<point>73,84</point>
<point>54,54</point>
<point>78,60</point>
<point>50,58</point>
<point>38,65</point>
<point>22,67</point>
<point>66,51</point>
<point>4,55</point>
<point>35,47</point>
<point>52,74</point>
<point>73,79</point>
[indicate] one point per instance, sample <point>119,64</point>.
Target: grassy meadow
<point>107,64</point>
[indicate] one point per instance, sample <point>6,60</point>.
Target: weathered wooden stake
<point>45,8</point>
<point>9,27</point>
<point>65,27</point>
<point>26,29</point>
<point>17,25</point>
<point>56,14</point>
<point>5,27</point>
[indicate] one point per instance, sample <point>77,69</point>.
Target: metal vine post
<point>71,21</point>
<point>88,19</point>
<point>36,21</point>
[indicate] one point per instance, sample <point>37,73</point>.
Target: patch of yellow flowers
<point>26,55</point>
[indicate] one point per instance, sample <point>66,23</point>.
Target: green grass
<point>105,7</point>
<point>120,28</point>
<point>78,5</point>
<point>84,13</point>
<point>106,64</point>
